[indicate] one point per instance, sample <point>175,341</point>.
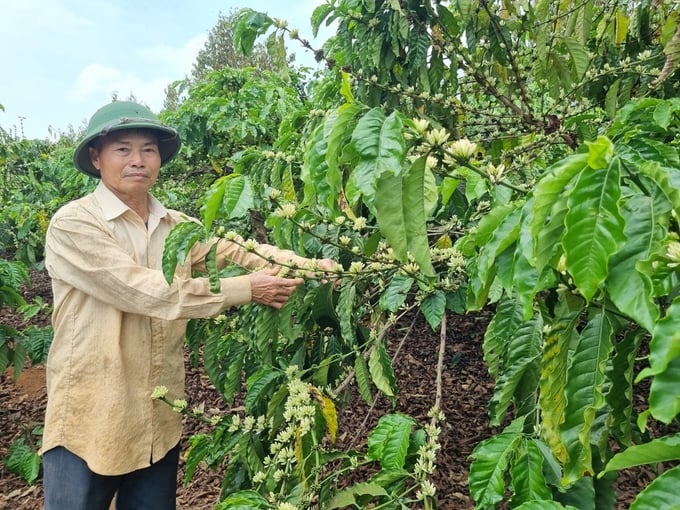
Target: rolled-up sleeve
<point>87,257</point>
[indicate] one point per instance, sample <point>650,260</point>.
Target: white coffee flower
<point>437,137</point>
<point>673,253</point>
<point>421,125</point>
<point>159,392</point>
<point>179,405</point>
<point>359,223</point>
<point>286,210</point>
<point>495,172</point>
<point>463,148</point>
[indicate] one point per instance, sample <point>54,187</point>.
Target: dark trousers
<point>70,485</point>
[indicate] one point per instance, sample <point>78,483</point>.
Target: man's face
<point>128,160</point>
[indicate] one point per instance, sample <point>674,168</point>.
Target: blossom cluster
<point>427,456</point>
<point>299,412</point>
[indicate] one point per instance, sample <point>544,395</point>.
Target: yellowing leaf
<point>622,23</point>
<point>328,411</point>
<point>298,447</point>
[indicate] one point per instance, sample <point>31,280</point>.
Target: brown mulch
<point>467,390</point>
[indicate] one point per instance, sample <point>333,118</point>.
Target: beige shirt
<point>119,328</point>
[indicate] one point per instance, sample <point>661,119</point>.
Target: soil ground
<point>467,389</point>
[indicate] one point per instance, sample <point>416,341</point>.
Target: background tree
<point>219,51</point>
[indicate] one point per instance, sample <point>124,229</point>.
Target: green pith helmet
<point>124,115</point>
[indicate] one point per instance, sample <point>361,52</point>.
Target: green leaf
<point>580,494</point>
<point>23,461</point>
<point>611,99</point>
<point>521,356</point>
<point>380,368</point>
<point>396,292</point>
<point>319,14</point>
<point>213,201</point>
<point>243,500</point>
<point>664,394</point>
<point>620,394</point>
<point>179,242</point>
<point>630,290</point>
<point>348,497</point>
<point>664,449</point>
<point>5,352</point>
<point>18,358</point>
<point>346,88</point>
<point>380,146</point>
<point>362,377</point>
<point>400,211</point>
<point>313,172</point>
<point>548,244</point>
<point>490,222</point>
<point>199,447</point>
<point>526,280</point>
<point>600,152</point>
<point>553,184</point>
<point>668,179</point>
<point>433,308</point>
<point>258,385</point>
<point>248,26</point>
<point>213,270</point>
<point>594,227</point>
<point>544,505</point>
<point>212,354</point>
<point>323,308</point>
<point>661,493</point>
<point>489,467</point>
<point>232,376</point>
<point>665,344</point>
<point>502,237</point>
<point>345,312</point>
<point>585,380</point>
<point>499,332</point>
<point>388,442</point>
<point>663,113</point>
<point>238,196</point>
<point>643,150</point>
<point>579,56</point>
<point>336,129</point>
<point>526,473</point>
<point>37,342</point>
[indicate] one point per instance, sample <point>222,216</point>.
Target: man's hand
<point>271,290</point>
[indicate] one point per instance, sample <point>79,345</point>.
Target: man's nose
<point>136,158</point>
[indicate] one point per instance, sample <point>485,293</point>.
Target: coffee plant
<point>17,344</point>
<point>460,155</point>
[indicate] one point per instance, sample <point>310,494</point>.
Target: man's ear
<point>94,156</point>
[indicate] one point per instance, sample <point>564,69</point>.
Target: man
<point>119,327</point>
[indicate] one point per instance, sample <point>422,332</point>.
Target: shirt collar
<point>113,207</point>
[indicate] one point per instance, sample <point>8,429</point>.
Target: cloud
<point>177,61</point>
<point>93,79</point>
<point>100,82</point>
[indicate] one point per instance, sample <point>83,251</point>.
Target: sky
<point>60,60</point>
